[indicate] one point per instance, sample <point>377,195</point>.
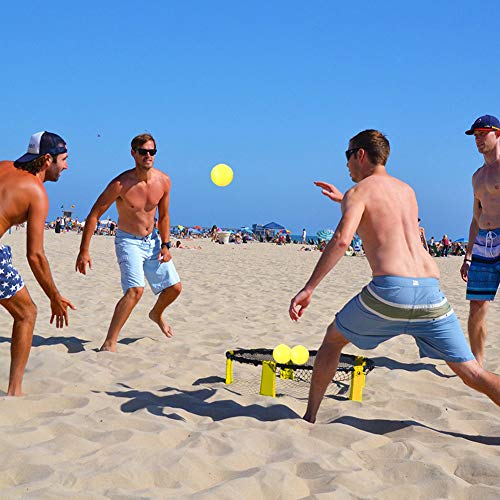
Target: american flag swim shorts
<point>10,279</point>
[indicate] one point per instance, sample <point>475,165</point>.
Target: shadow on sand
<point>196,402</point>
<point>392,364</point>
<point>383,426</point>
<point>73,344</point>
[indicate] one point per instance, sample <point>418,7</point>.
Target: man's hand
<point>164,255</point>
<point>59,306</point>
<point>81,262</point>
<point>464,270</point>
<point>330,191</point>
<point>299,304</point>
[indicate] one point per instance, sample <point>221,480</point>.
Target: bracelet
<point>467,260</point>
<point>166,244</point>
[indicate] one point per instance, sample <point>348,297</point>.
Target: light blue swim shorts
<point>391,306</point>
<point>138,257</point>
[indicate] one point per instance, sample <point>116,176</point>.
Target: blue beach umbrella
<point>325,234</point>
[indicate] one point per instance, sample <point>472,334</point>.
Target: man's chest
<point>142,196</point>
<point>488,183</point>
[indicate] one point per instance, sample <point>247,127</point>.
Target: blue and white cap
<point>43,143</point>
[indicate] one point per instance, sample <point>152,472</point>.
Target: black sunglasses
<point>144,152</point>
<point>350,152</point>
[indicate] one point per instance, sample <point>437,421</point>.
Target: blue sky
<point>274,89</point>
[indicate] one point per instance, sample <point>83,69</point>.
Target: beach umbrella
<point>325,234</point>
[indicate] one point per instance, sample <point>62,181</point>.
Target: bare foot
<point>109,347</point>
<point>18,393</point>
<point>309,419</point>
<point>164,327</point>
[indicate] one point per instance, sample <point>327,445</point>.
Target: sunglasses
<point>350,152</point>
<point>144,152</point>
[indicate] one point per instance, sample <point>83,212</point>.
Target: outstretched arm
<point>330,191</point>
<point>164,221</point>
<point>105,200</point>
<point>473,230</point>
<point>352,211</point>
<point>37,260</point>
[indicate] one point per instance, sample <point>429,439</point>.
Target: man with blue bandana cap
<point>481,267</point>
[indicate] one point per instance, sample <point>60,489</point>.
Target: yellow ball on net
<point>299,355</point>
<point>282,353</point>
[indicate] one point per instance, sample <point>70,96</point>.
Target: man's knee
<point>25,311</point>
<point>176,289</point>
<point>478,309</point>
<point>29,313</point>
<point>470,373</point>
<point>334,338</point>
<point>134,293</point>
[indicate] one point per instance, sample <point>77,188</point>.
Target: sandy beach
<point>156,420</point>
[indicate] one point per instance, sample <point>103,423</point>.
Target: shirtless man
<point>404,294</point>
<point>481,267</point>
<point>140,248</point>
<point>23,198</point>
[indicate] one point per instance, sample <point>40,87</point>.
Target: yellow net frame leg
<point>358,380</point>
<point>229,370</point>
<point>268,379</point>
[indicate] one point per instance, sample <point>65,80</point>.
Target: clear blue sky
<point>274,89</point>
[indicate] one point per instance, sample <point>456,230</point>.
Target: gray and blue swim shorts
<point>484,272</point>
<point>10,279</point>
<point>390,306</point>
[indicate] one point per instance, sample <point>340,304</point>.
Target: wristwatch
<point>166,244</point>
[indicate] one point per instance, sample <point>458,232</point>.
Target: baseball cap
<point>43,143</point>
<point>486,122</point>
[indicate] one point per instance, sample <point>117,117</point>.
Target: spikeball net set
<point>289,371</point>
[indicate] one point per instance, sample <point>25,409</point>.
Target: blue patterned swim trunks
<point>484,272</point>
<point>10,279</point>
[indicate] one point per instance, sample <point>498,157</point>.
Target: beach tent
<point>274,226</point>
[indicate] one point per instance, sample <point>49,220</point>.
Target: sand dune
<point>156,419</point>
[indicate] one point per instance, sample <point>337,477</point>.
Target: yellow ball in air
<point>222,175</point>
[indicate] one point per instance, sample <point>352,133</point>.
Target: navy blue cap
<point>486,122</point>
<point>43,143</point>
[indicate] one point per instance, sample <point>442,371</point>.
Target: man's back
<point>18,189</point>
<point>389,228</point>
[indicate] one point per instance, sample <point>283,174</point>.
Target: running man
<point>481,267</point>
<point>403,296</point>
<point>140,248</point>
<point>23,198</point>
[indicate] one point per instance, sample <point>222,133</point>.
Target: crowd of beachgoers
<point>444,247</point>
